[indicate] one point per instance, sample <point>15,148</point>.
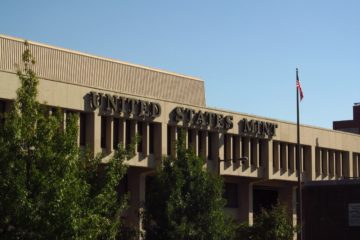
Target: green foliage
<point>273,224</point>
<point>49,189</point>
<point>185,201</point>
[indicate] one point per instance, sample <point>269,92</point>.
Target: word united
<point>128,106</point>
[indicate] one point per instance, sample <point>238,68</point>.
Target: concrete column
<point>213,152</point>
<point>324,162</point>
<point>331,164</point>
<point>220,148</point>
<point>205,144</point>
<point>343,164</point>
<point>301,159</point>
<point>122,129</point>
<point>162,141</point>
<point>283,157</point>
<point>119,134</point>
<point>78,126</point>
<point>338,164</point>
<point>95,132</point>
<point>145,138</point>
<point>358,165</point>
<point>235,147</point>
<point>276,156</point>
<point>127,127</point>
<point>292,157</point>
<point>216,144</point>
<point>136,187</point>
<point>209,147</point>
<point>241,151</point>
<point>255,152</point>
<point>230,146</point>
<point>134,133</point>
<point>355,165</point>
<point>247,151</point>
<point>318,162</point>
<point>195,133</point>
<point>229,151</point>
<point>285,152</point>
<point>142,190</point>
<point>64,114</point>
<point>246,202</point>
<point>174,138</point>
<point>186,132</point>
<point>312,163</point>
<point>349,164</point>
<point>109,134</point>
<point>307,162</point>
<point>236,151</point>
<point>267,156</point>
<point>202,141</point>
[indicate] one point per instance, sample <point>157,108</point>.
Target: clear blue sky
<point>245,51</point>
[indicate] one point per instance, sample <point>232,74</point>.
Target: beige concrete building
<point>116,100</point>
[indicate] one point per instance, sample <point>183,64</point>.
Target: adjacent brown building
<point>332,210</point>
<point>352,126</point>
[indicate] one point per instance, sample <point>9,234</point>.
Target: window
<point>2,111</point>
<point>323,161</point>
<point>122,187</point>
<point>343,164</point>
<point>116,133</point>
<point>151,138</point>
<point>201,150</point>
<point>253,154</point>
<point>317,160</point>
<point>305,151</point>
<point>227,156</point>
<point>169,140</point>
<point>261,146</point>
<point>210,149</point>
<point>191,139</point>
<point>282,155</point>
<point>231,195</point>
<point>275,154</point>
<point>290,156</point>
<point>244,148</point>
<point>83,129</point>
<point>128,137</point>
<point>358,165</point>
<point>103,132</point>
<point>235,148</point>
<point>140,133</point>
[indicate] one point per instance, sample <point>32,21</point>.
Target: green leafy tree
<point>272,224</point>
<point>185,201</point>
<point>49,189</point>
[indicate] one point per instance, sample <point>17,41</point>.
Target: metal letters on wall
<point>199,119</point>
<point>111,104</point>
<point>257,128</point>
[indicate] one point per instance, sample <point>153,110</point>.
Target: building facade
<point>116,101</point>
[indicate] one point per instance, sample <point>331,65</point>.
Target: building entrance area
<point>264,198</point>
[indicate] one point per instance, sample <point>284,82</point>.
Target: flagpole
<point>299,160</point>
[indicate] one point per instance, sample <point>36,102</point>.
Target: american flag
<point>298,85</point>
